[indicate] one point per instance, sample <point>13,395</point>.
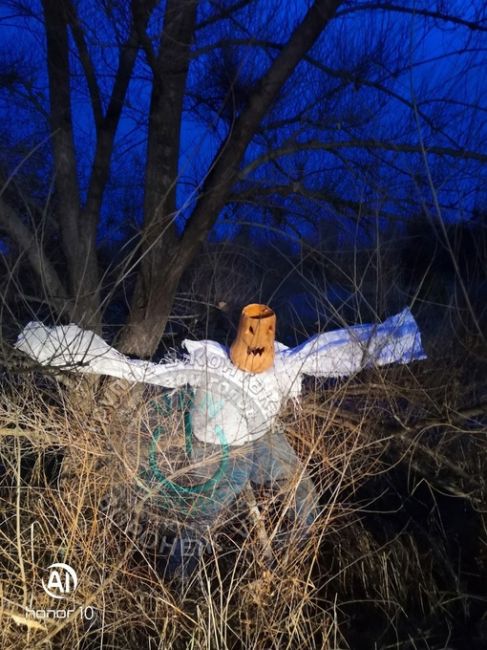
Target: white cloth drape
<point>242,405</point>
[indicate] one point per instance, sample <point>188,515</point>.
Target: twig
<point>257,518</point>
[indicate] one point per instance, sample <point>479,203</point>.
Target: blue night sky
<point>434,64</point>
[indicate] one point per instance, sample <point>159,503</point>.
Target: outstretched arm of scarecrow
<point>347,351</point>
<point>71,348</point>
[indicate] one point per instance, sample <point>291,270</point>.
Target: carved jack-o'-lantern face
<point>253,349</point>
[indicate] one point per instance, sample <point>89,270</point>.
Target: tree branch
<point>108,125</point>
<point>224,172</point>
<point>414,11</point>
<point>296,188</point>
<point>315,145</point>
<point>11,224</point>
<point>224,13</point>
<point>347,76</point>
<point>86,62</point>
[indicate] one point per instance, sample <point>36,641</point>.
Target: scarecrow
<point>237,394</point>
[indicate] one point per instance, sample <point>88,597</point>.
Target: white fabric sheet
<point>232,406</point>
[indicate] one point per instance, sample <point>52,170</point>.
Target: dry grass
<point>374,570</point>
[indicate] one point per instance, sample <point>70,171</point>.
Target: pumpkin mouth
<point>255,351</point>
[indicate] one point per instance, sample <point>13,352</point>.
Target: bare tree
<point>155,291</point>
<point>303,127</point>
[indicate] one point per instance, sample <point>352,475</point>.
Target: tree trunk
<point>160,270</point>
<point>78,242</point>
<point>165,258</point>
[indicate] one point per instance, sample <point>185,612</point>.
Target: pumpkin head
<point>253,349</point>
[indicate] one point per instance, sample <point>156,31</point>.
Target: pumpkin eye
<point>251,329</point>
